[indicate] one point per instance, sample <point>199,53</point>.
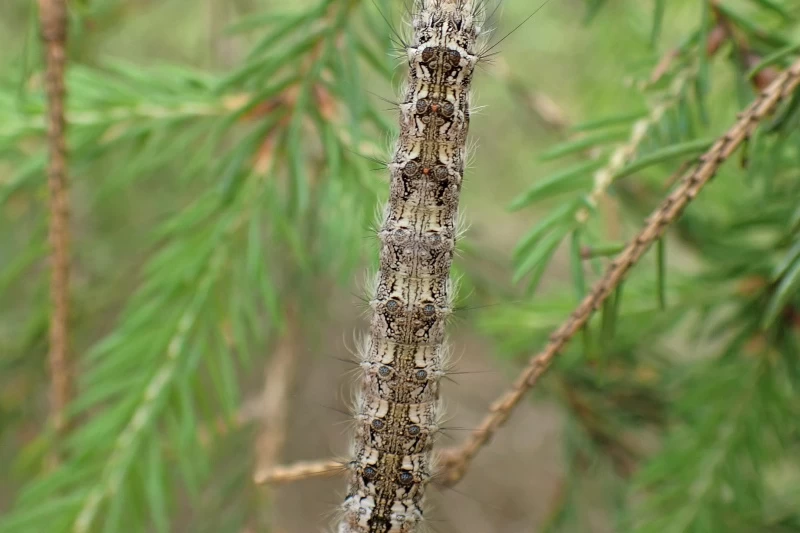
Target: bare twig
<point>299,471</point>
<point>274,406</point>
<point>456,463</point>
<point>278,376</point>
<point>53,17</point>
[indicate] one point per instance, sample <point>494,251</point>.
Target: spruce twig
<point>124,446</point>
<point>626,152</point>
<point>53,19</point>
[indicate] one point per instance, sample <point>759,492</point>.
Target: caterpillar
<point>403,356</point>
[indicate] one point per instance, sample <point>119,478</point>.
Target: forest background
<point>222,197</point>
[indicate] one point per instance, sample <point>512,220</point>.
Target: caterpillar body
<point>397,410</point>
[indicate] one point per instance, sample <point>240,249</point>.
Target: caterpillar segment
<point>397,407</point>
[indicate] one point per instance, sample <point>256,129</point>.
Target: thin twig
<point>53,18</point>
<point>274,409</point>
<point>299,471</point>
<point>456,463</point>
<point>278,377</point>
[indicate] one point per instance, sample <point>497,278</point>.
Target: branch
<point>119,461</point>
<point>455,463</point>
<point>278,377</point>
<point>299,471</point>
<point>53,18</point>
<point>604,177</point>
<point>273,408</point>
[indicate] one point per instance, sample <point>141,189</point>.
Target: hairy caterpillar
<point>397,408</point>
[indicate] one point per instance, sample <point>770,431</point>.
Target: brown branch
<point>456,463</point>
<point>299,471</point>
<point>53,18</point>
<point>273,409</point>
<point>278,377</point>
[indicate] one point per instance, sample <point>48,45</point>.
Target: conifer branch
<point>626,152</point>
<point>124,115</point>
<point>456,463</point>
<point>53,19</point>
<point>120,460</point>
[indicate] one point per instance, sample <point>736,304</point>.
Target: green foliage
<point>260,161</point>
<point>725,289</point>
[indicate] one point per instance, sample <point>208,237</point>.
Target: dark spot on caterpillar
<point>384,371</point>
<point>434,239</point>
<point>402,234</point>
<point>378,424</point>
<point>428,54</point>
<point>429,309</point>
<point>422,105</point>
<point>448,109</point>
<point>406,478</point>
<point>378,523</point>
<point>413,430</point>
<point>440,172</point>
<point>370,473</point>
<point>421,375</point>
<point>392,306</point>
<point>454,56</point>
<point>411,169</point>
